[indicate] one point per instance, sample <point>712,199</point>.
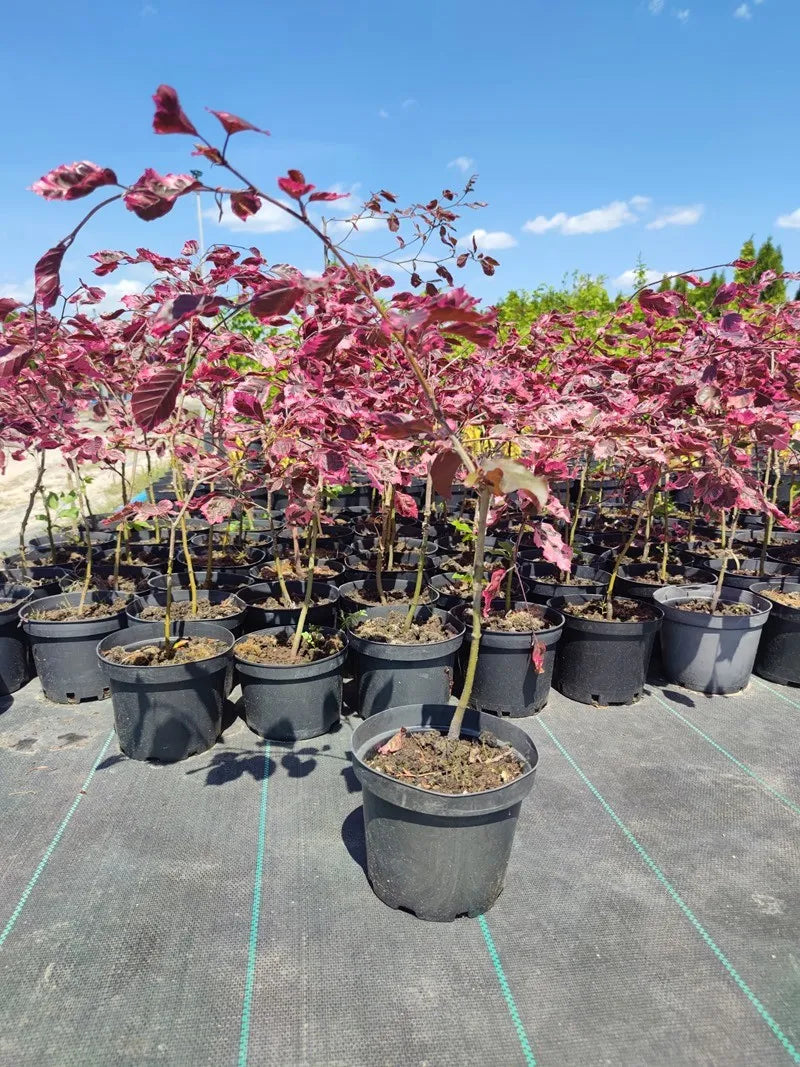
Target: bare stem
<point>426,515</point>
<point>26,517</point>
<point>301,622</point>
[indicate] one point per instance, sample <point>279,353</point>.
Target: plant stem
<point>426,515</point>
<point>298,633</point>
<point>665,547</point>
<point>477,589</point>
<point>769,519</point>
<point>25,518</point>
<point>609,605</point>
<point>117,553</point>
<point>578,504</point>
<point>724,567</point>
<point>209,554</point>
<point>189,566</point>
<point>168,604</point>
<point>49,523</point>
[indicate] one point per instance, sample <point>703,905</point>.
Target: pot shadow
<point>354,838</point>
<point>6,700</point>
<point>679,698</point>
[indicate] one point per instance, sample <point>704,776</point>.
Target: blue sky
<point>600,129</point>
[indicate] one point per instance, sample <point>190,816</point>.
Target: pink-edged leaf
<point>190,248</point>
<point>328,197</point>
<point>406,505</point>
<point>247,404</point>
<point>278,297</point>
<point>694,280</point>
<point>492,589</point>
<point>154,399</point>
<point>183,307</point>
<point>394,744</point>
<point>12,359</point>
<point>7,305</point>
<point>215,507</point>
<point>538,652</point>
<point>108,261</point>
<point>743,264</point>
<point>233,124</point>
<point>169,116</point>
<point>725,294</point>
<point>298,515</point>
<point>153,195</point>
<point>71,181</point>
<point>552,545</point>
<point>323,342</point>
<point>295,184</point>
<point>666,305</point>
<point>159,510</point>
<point>398,427</point>
<point>47,278</point>
<point>245,204</point>
<point>87,294</point>
<point>207,151</point>
<point>443,471</point>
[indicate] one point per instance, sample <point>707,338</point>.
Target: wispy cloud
<point>790,221</point>
<point>682,14</point>
<point>655,7</point>
<point>366,225</point>
<point>629,278</point>
<point>598,220</point>
<point>743,12</point>
<point>489,241</point>
<point>148,10</point>
<point>383,113</point>
<point>269,219</point>
<point>463,163</point>
<point>410,102</point>
<point>677,216</point>
<point>17,291</point>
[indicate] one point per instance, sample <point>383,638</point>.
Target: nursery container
<point>14,654</point>
<point>543,592</point>
<point>389,675</point>
<point>748,573</point>
<point>64,652</point>
<point>438,855</point>
<point>625,586</point>
<point>348,605</point>
<point>405,566</point>
<point>506,681</point>
<point>292,702</point>
<point>264,618</point>
<point>778,656</point>
<point>443,585</point>
<point>48,579</point>
<point>167,713</point>
<point>600,662</point>
<point>710,653</point>
<point>229,581</point>
<point>233,622</point>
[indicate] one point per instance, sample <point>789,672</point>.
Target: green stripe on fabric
<point>52,847</point>
<point>508,996</point>
<point>775,693</point>
<point>676,897</point>
<point>742,766</point>
<point>255,914</point>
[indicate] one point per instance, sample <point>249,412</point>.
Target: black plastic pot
<point>506,681</point>
<point>230,581</point>
<point>543,592</point>
<point>368,546</point>
<point>448,598</point>
<point>48,579</point>
<point>405,565</point>
<point>286,702</point>
<point>255,556</point>
<point>258,618</point>
<point>64,652</point>
<point>99,539</point>
<point>438,855</point>
<point>778,656</point>
<point>625,586</point>
<point>391,675</point>
<point>233,622</point>
<point>102,573</point>
<point>349,604</point>
<point>14,655</point>
<point>603,662</point>
<point>167,713</point>
<point>336,565</point>
<point>748,573</point>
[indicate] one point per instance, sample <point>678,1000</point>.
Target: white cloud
<point>410,102</point>
<point>656,7</point>
<point>383,113</point>
<point>790,221</point>
<point>682,14</point>
<point>269,219</point>
<point>640,203</point>
<point>743,12</point>
<point>677,216</point>
<point>463,163</point>
<point>14,291</point>
<point>629,278</point>
<point>599,220</point>
<point>489,241</point>
<point>365,225</point>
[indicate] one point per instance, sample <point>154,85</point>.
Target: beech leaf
<point>153,400</point>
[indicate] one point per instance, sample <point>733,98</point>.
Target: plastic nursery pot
<point>349,602</point>
<point>438,855</point>
<point>292,702</point>
<point>64,652</point>
<point>99,539</point>
<point>542,591</point>
<point>710,653</point>
<point>506,681</point>
<point>171,712</point>
<point>445,587</point>
<point>265,572</point>
<point>252,558</point>
<point>405,565</point>
<point>599,662</point>
<point>230,581</point>
<point>14,655</point>
<point>404,546</point>
<point>43,581</point>
<point>319,614</point>
<point>778,656</point>
<point>627,585</point>
<point>748,574</point>
<point>233,622</point>
<point>388,675</point>
<point>103,574</point>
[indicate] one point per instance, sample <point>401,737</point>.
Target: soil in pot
<point>277,648</point>
<point>221,559</point>
<point>106,583</point>
<point>182,609</point>
<point>624,611</point>
<point>515,621</point>
<point>394,629</point>
<point>427,759</point>
<point>322,572</point>
<point>571,580</point>
<point>272,602</point>
<point>789,600</point>
<point>703,606</point>
<point>370,599</point>
<point>12,605</point>
<point>185,650</point>
<point>653,577</point>
<point>73,613</point>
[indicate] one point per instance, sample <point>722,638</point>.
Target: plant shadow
<point>354,838</point>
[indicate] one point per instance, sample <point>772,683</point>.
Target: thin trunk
<point>609,605</point>
<point>578,504</point>
<point>769,519</point>
<point>26,517</point>
<point>209,554</point>
<point>426,515</point>
<point>477,589</point>
<point>287,600</point>
<point>648,529</point>
<point>665,546</point>
<point>301,622</point>
<point>168,604</point>
<point>189,566</point>
<point>117,554</point>
<point>724,567</point>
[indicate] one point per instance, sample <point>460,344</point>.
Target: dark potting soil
<point>143,557</point>
<point>72,613</point>
<point>572,579</point>
<point>289,572</point>
<point>65,557</point>
<point>105,584</point>
<point>371,565</point>
<point>187,650</point>
<point>268,648</point>
<point>220,559</point>
<point>789,600</point>
<point>723,607</point>
<point>624,610</point>
<point>788,553</point>
<point>392,629</point>
<point>515,621</point>
<point>654,578</point>
<point>278,602</point>
<point>182,609</point>
<point>425,758</point>
<point>390,596</point>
